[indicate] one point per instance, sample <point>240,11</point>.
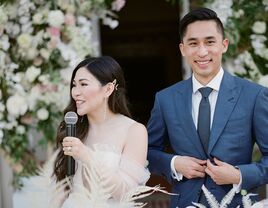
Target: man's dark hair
<point>200,14</point>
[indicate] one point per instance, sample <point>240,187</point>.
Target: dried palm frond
<point>130,198</point>
<point>228,198</point>
<point>246,200</point>
<point>42,191</point>
<point>212,201</point>
<point>96,191</point>
<point>198,205</point>
<point>98,178</point>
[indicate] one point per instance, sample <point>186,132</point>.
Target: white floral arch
<point>40,43</point>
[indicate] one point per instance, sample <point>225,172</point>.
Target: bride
<point>109,143</point>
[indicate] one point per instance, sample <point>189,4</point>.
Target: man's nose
<point>202,51</point>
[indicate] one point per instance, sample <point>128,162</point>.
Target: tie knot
<point>205,91</point>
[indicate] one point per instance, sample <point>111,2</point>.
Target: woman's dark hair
<point>200,14</point>
<point>105,69</point>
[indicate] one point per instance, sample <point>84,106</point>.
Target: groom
<point>211,121</point>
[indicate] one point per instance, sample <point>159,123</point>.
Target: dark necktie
<point>203,125</point>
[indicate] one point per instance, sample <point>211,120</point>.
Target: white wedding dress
<point>109,177</point>
<point>112,181</point>
<point>117,177</point>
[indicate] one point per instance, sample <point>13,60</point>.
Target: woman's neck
<point>101,119</point>
<point>99,126</point>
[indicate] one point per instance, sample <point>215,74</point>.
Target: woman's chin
<point>80,113</point>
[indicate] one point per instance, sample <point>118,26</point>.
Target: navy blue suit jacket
<point>240,120</point>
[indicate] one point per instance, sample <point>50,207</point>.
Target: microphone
<point>70,119</point>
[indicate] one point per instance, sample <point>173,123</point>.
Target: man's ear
<point>181,49</point>
<point>225,44</point>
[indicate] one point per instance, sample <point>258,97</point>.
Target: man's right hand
<point>190,167</point>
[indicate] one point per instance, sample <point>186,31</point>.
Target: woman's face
<point>88,93</point>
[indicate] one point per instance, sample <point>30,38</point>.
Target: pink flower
<point>53,42</point>
<point>117,5</point>
<point>53,31</point>
<point>44,88</point>
<point>69,19</point>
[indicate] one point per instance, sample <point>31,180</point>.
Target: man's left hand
<point>222,173</point>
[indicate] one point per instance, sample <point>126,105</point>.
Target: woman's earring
<point>105,109</point>
<point>82,119</point>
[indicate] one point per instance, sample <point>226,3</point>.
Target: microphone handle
<point>71,131</point>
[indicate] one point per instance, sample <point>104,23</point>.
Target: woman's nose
<point>76,91</point>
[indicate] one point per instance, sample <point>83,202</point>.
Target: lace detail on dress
<point>105,147</point>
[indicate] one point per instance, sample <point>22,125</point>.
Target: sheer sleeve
<point>130,174</point>
<point>122,173</point>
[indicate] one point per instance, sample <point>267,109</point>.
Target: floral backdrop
<point>40,43</point>
<point>246,27</point>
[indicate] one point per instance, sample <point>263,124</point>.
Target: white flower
<point>24,40</point>
<point>3,15</point>
<point>20,129</point>
<point>17,77</point>
<point>239,13</point>
<point>16,105</point>
<point>110,22</point>
<point>67,52</point>
<point>66,74</point>
<point>44,78</point>
<point>31,73</point>
<point>12,29</point>
<point>259,27</point>
<point>2,107</point>
<point>24,20</point>
<point>42,114</point>
<point>55,18</point>
<point>44,53</point>
<point>265,3</point>
<point>264,81</point>
<point>27,28</point>
<point>4,42</point>
<point>223,10</point>
<point>38,19</point>
<point>31,53</point>
<point>264,54</point>
<point>117,5</point>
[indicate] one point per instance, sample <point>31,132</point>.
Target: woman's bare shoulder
<point>133,125</point>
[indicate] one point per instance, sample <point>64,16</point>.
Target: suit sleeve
<point>256,174</point>
<point>159,160</point>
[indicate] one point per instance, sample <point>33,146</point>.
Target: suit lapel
<point>184,107</point>
<point>227,98</point>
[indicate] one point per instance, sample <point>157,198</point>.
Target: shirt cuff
<point>174,173</point>
<point>238,186</point>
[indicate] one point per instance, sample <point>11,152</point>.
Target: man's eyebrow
<point>210,37</point>
<point>191,39</point>
<point>194,39</point>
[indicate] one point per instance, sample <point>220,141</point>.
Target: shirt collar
<point>214,83</point>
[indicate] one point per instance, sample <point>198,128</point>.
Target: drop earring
<point>105,109</point>
<point>82,119</point>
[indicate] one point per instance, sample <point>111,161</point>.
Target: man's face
<point>203,46</point>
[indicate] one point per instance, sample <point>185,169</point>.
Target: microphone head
<point>70,117</point>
